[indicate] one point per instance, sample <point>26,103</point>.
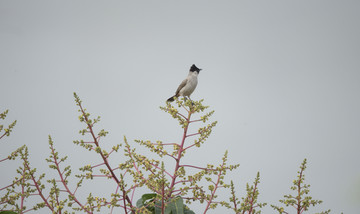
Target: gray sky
<point>282,76</point>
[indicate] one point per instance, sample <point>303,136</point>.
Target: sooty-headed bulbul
<point>188,85</point>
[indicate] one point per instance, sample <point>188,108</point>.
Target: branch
<point>63,181</point>
<point>38,188</point>
<point>177,166</point>
<point>115,178</point>
<point>215,188</point>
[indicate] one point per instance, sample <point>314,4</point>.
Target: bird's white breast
<point>191,84</point>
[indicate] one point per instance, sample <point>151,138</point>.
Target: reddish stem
<point>195,121</point>
<point>3,135</point>
<point>63,181</point>
<point>137,169</point>
<point>235,205</point>
<point>253,198</point>
<point>4,159</point>
<point>193,134</point>
<point>177,166</point>
<point>38,187</point>
<point>215,188</point>
<point>96,141</point>
<point>97,165</point>
<point>299,208</point>
<point>22,190</point>
<point>196,167</point>
<point>10,185</point>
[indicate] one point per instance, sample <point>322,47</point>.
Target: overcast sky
<point>282,76</point>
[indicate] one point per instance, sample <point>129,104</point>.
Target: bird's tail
<point>171,99</point>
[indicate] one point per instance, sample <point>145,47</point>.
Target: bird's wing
<point>183,83</point>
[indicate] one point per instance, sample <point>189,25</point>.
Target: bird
<point>188,85</point>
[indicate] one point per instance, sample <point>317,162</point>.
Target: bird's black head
<point>194,68</point>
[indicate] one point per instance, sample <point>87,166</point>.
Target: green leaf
<point>148,196</point>
<point>177,206</point>
<point>139,203</point>
<point>8,212</point>
<point>142,201</point>
<point>158,208</point>
<point>188,211</point>
<point>173,206</point>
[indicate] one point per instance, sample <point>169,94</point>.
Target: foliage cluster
<point>171,189</point>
